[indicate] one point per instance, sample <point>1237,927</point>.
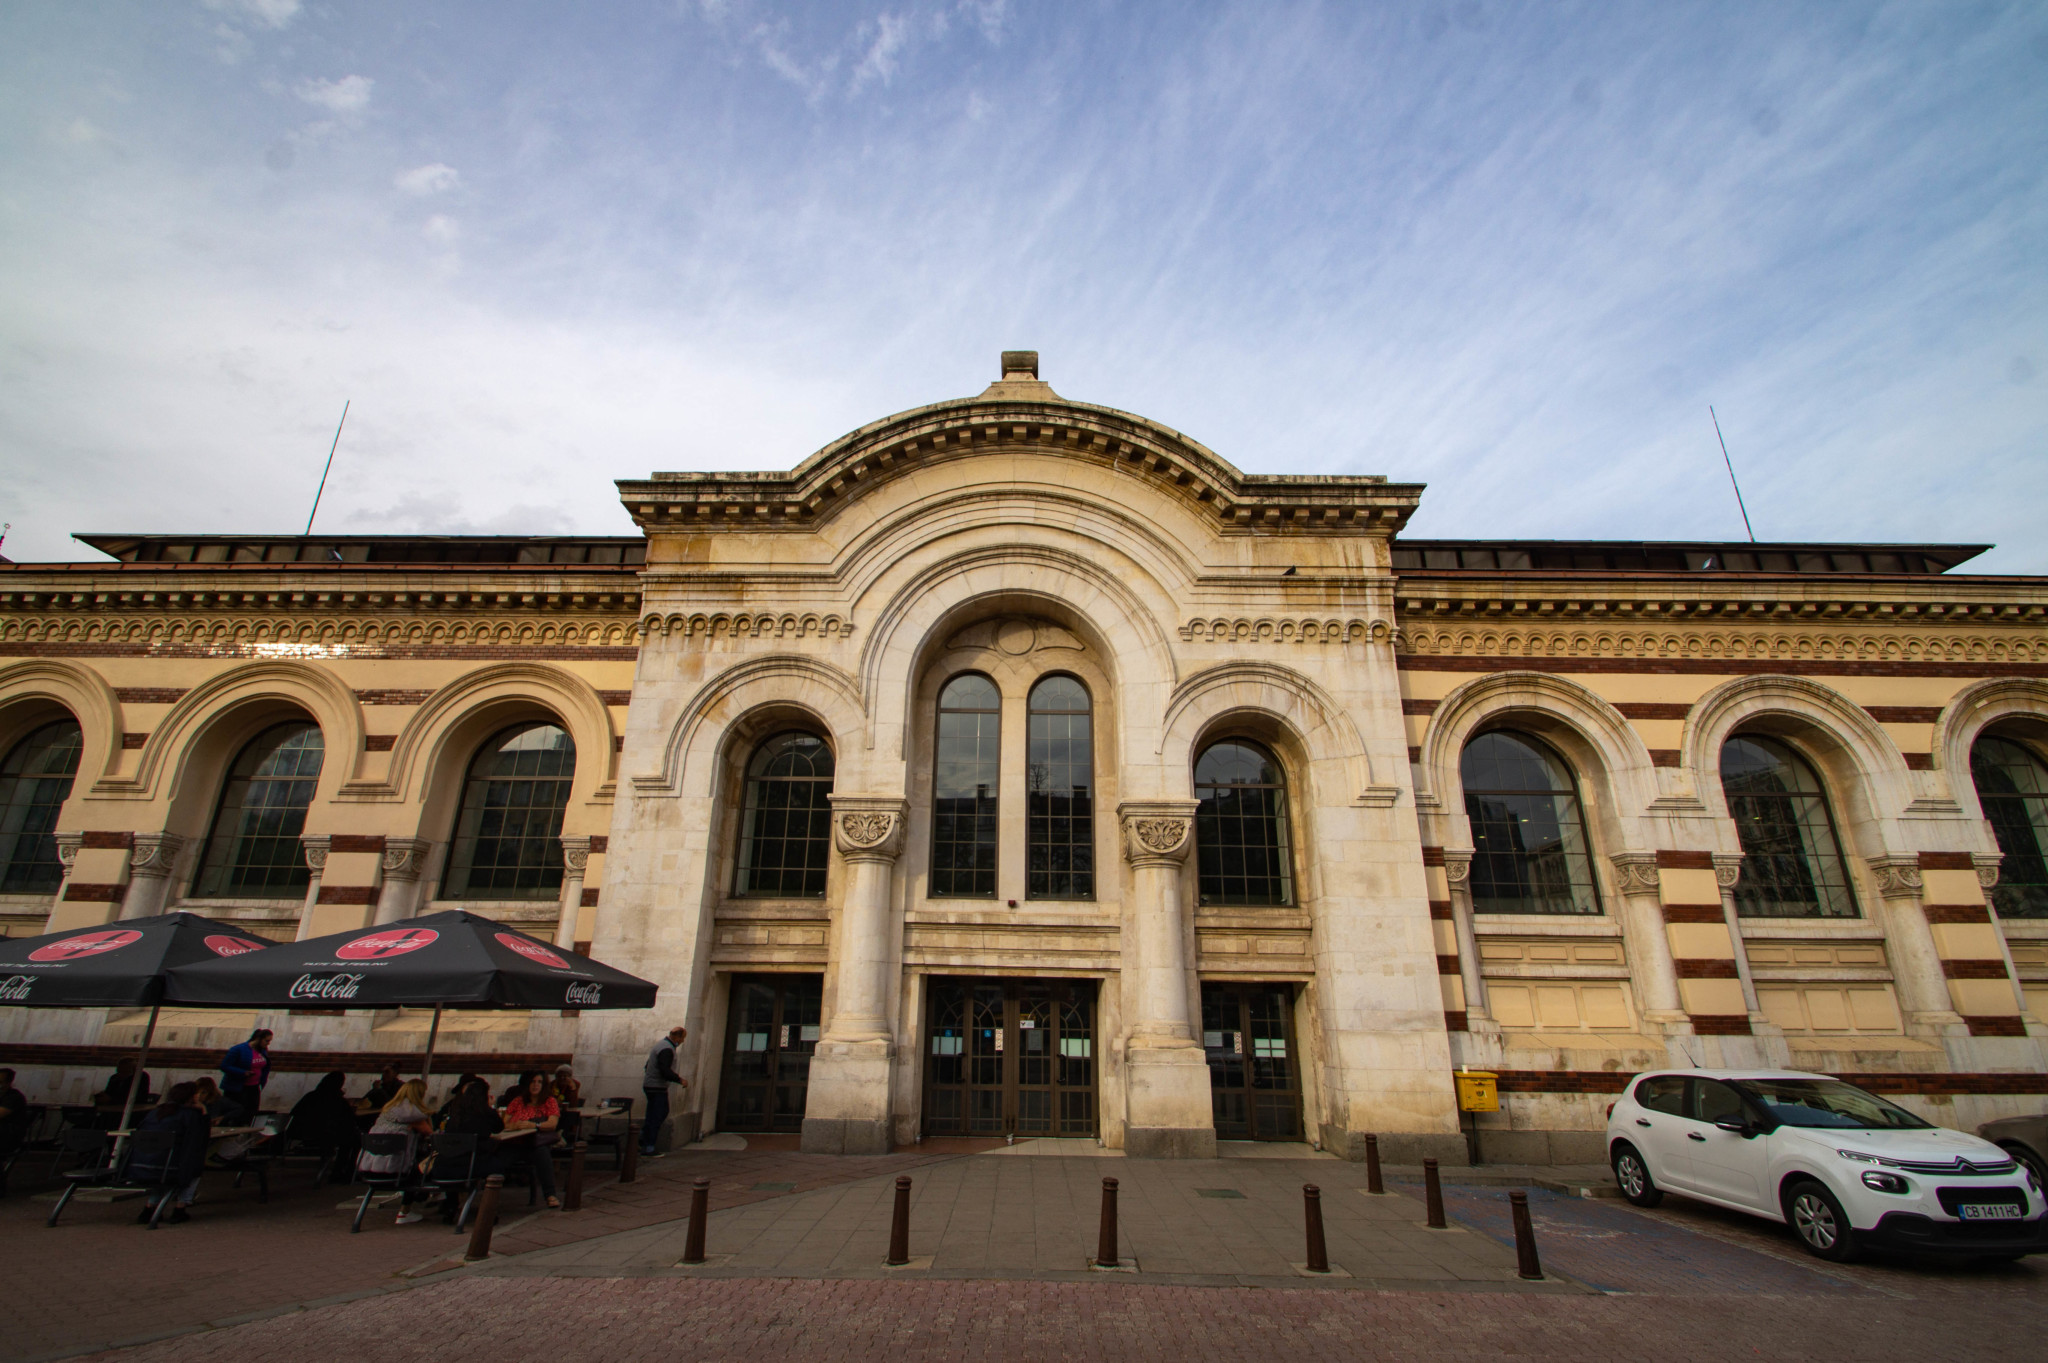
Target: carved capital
<point>405,858</point>
<point>67,848</point>
<point>1635,872</point>
<point>154,854</point>
<point>867,827</point>
<point>1987,867</point>
<point>576,855</point>
<point>317,846</point>
<point>1727,869</point>
<point>1458,865</point>
<point>1896,876</point>
<point>1157,832</point>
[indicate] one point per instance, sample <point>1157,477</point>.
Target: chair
<point>147,1162</point>
<point>94,1170</point>
<point>622,1110</point>
<point>383,1145</point>
<point>256,1159</point>
<point>457,1160</point>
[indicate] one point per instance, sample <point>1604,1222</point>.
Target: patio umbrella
<point>115,965</point>
<point>440,960</point>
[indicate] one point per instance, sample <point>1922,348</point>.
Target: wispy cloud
<point>273,14</point>
<point>344,97</point>
<point>433,178</point>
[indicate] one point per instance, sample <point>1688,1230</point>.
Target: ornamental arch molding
<point>1607,755</point>
<point>737,703</point>
<point>1321,731</point>
<point>30,693</point>
<point>2015,701</point>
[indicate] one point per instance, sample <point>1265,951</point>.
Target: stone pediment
<point>1018,413</point>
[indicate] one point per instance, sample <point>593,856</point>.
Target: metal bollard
<point>1312,1208</point>
<point>700,1207</point>
<point>1105,1243</point>
<point>629,1157</point>
<point>572,1195</point>
<point>486,1220</point>
<point>899,1225</point>
<point>1433,1194</point>
<point>1373,1182</point>
<point>1527,1265</point>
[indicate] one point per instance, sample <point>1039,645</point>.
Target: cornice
<point>1731,599</point>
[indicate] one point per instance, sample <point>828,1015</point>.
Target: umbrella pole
<point>433,1035</point>
<point>141,1059</point>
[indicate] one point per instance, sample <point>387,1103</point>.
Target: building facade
<point>1016,765</point>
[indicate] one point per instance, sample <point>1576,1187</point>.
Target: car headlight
<point>1885,1183</point>
<point>1861,1158</point>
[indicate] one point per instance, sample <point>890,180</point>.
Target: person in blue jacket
<point>244,1070</point>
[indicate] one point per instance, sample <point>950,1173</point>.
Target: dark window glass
<point>508,834</point>
<point>1060,797</point>
<point>1662,1093</point>
<point>964,789</point>
<point>253,849</point>
<point>1241,827</point>
<point>2012,785</point>
<point>35,781</point>
<point>1528,836</point>
<point>786,821</point>
<point>1713,1101</point>
<point>1792,862</point>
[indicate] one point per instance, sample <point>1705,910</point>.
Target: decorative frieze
<point>1282,630</point>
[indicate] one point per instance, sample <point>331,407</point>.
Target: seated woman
<point>537,1109</point>
<point>469,1113</point>
<point>177,1176</point>
<point>569,1093</point>
<point>406,1112</point>
<point>326,1121</point>
<point>468,1077</point>
<point>210,1098</point>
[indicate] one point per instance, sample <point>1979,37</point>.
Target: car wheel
<point>1820,1223</point>
<point>1634,1177</point>
<point>2030,1161</point>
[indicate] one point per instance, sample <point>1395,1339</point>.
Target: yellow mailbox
<point>1476,1091</point>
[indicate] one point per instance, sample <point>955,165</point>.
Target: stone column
<point>404,859</point>
<point>150,863</point>
<point>847,1109</point>
<point>1458,876</point>
<point>1649,948</point>
<point>67,856</point>
<point>1727,871</point>
<point>1986,865</point>
<point>316,846</point>
<point>575,860</point>
<point>1165,1073</point>
<point>1916,965</point>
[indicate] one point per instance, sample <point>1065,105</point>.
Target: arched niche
<point>36,692</point>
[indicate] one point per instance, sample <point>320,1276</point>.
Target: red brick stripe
<point>1607,1081</point>
<point>165,1058</point>
<point>1946,861</point>
<point>1666,757</point>
<point>1720,1024</point>
<point>1456,1022</point>
<point>1668,860</point>
<point>1956,913</point>
<point>1711,667</point>
<point>1904,714</point>
<point>1705,968</point>
<point>107,840</point>
<point>131,742</point>
<point>1974,970</point>
<point>1432,856</point>
<point>608,653</point>
<point>616,697</point>
<point>589,901</point>
<point>1651,709</point>
<point>149,695</point>
<point>78,892</point>
<point>1694,913</point>
<point>1446,965</point>
<point>357,842</point>
<point>1440,909</point>
<point>379,742</point>
<point>1414,753</point>
<point>1918,761</point>
<point>347,894</point>
<point>598,842</point>
<point>2005,1026</point>
<point>1419,707</point>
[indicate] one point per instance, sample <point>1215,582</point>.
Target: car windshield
<point>1827,1102</point>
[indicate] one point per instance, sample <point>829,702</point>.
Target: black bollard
<point>486,1219</point>
<point>629,1154</point>
<point>1312,1208</point>
<point>1527,1265</point>
<point>1373,1183</point>
<point>899,1225</point>
<point>700,1208</point>
<point>572,1195</point>
<point>1433,1194</point>
<point>1105,1243</point>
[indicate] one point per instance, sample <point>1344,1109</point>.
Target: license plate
<point>1988,1211</point>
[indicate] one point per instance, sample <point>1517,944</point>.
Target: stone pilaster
<point>1649,949</point>
<point>1166,1074</point>
<point>1915,961</point>
<point>847,1109</point>
<point>403,861</point>
<point>151,861</point>
<point>1464,944</point>
<point>317,847</point>
<point>575,861</point>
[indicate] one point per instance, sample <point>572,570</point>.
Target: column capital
<point>154,854</point>
<point>1727,868</point>
<point>1635,872</point>
<point>1157,832</point>
<point>575,855</point>
<point>405,858</point>
<point>868,827</point>
<point>317,846</point>
<point>67,848</point>
<point>1986,863</point>
<point>1897,874</point>
<point>1458,864</point>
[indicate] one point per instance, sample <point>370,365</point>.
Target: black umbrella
<point>115,965</point>
<point>441,960</point>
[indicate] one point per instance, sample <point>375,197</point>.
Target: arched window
<point>35,781</point>
<point>508,834</point>
<point>1060,797</point>
<point>786,818</point>
<point>964,789</point>
<point>1792,861</point>
<point>2012,785</point>
<point>1241,851</point>
<point>1529,851</point>
<point>253,849</point>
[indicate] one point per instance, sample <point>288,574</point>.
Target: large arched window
<point>1060,797</point>
<point>1241,851</point>
<point>35,781</point>
<point>1529,851</point>
<point>786,818</point>
<point>1791,859</point>
<point>964,771</point>
<point>253,849</point>
<point>508,834</point>
<point>2012,785</point>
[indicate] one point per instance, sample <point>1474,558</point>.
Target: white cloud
<point>349,95</point>
<point>892,31</point>
<point>442,228</point>
<point>428,179</point>
<point>262,13</point>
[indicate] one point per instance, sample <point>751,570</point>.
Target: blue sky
<point>1512,250</point>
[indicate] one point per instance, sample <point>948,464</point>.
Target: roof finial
<point>1020,364</point>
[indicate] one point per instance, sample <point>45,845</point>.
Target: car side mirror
<point>1736,1126</point>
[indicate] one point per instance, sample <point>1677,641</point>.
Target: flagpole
<point>433,1034</point>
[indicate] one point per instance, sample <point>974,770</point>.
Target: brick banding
<point>1651,709</point>
<point>1666,757</point>
<point>1974,970</point>
<point>618,742</point>
<point>1419,707</point>
<point>594,653</point>
<point>589,900</point>
<point>618,698</point>
<point>1710,667</point>
<point>1446,965</point>
<point>1668,860</point>
<point>1918,761</point>
<point>1947,861</point>
<point>1720,1024</point>
<point>1432,856</point>
<point>347,894</point>
<point>379,742</point>
<point>1456,1022</point>
<point>106,840</point>
<point>1952,1084</point>
<point>393,697</point>
<point>1904,714</point>
<point>1694,913</point>
<point>356,842</point>
<point>292,1062</point>
<point>1414,753</point>
<point>149,695</point>
<point>598,843</point>
<point>80,892</point>
<point>130,742</point>
<point>1704,968</point>
<point>1956,913</point>
<point>2005,1026</point>
<point>1440,909</point>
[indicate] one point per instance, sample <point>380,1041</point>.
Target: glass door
<point>771,1030</point>
<point>1010,1057</point>
<point>1254,1074</point>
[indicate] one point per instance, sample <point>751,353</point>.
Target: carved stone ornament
<point>67,848</point>
<point>576,855</point>
<point>1727,869</point>
<point>154,854</point>
<point>1987,867</point>
<point>864,829</point>
<point>1157,832</point>
<point>1159,835</point>
<point>317,846</point>
<point>1896,876</point>
<point>405,858</point>
<point>1457,865</point>
<point>1636,872</point>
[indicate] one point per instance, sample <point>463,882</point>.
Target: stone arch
<point>1609,758</point>
<point>1333,754</point>
<point>1976,708</point>
<point>726,705</point>
<point>31,692</point>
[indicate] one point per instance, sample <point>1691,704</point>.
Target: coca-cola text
<point>325,987</point>
<point>16,986</point>
<point>582,995</point>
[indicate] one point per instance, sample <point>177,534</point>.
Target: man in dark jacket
<point>325,1120</point>
<point>660,1072</point>
<point>176,1174</point>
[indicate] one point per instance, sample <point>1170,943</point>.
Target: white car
<point>1845,1169</point>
